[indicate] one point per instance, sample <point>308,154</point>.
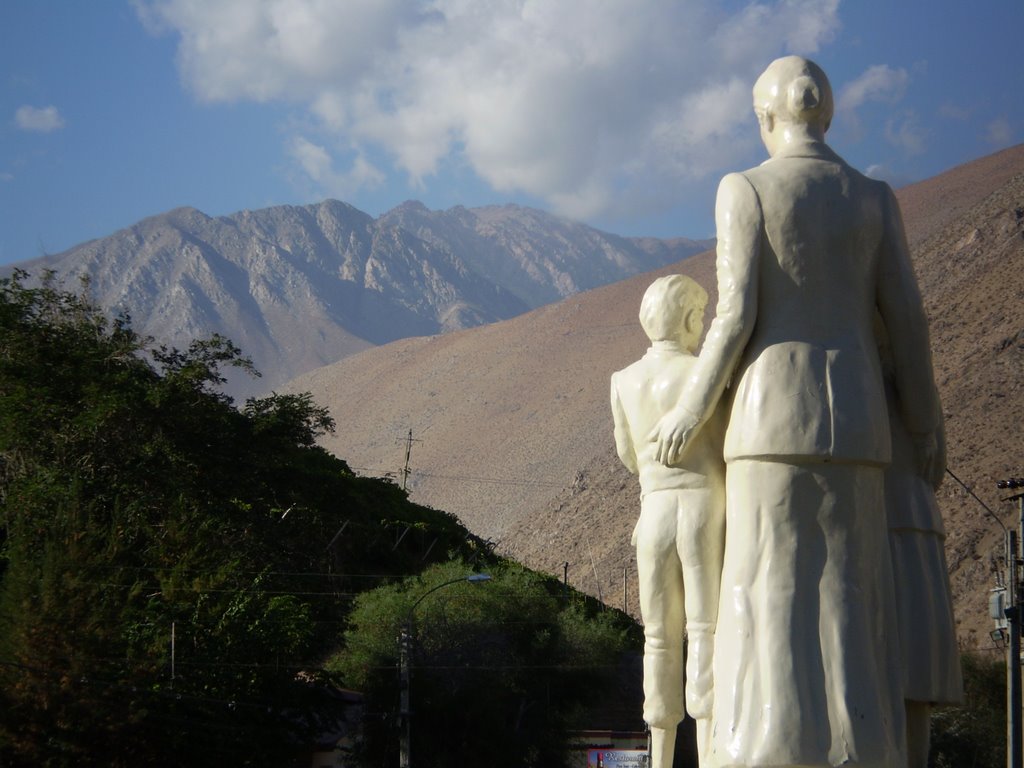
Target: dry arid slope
<point>512,430</point>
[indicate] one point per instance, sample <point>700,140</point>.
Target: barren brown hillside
<point>513,434</point>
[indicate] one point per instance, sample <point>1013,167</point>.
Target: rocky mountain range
<point>299,287</point>
<point>511,428</point>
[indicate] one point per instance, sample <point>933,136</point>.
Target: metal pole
<point>1015,595</point>
<point>1016,711</point>
<point>404,642</point>
<point>172,652</point>
<point>405,664</point>
<point>1013,692</point>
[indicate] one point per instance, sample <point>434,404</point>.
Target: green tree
<point>973,734</point>
<point>500,670</point>
<point>136,504</point>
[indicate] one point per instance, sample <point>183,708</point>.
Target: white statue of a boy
<point>679,537</point>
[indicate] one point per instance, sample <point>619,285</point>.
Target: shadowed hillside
<point>512,430</point>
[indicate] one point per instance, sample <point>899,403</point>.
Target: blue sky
<point>620,113</point>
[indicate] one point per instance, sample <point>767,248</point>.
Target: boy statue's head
<point>673,310</point>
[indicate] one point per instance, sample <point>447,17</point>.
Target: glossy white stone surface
<point>806,663</point>
<point>680,533</point>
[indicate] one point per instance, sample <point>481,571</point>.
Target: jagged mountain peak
<point>410,206</point>
<point>300,286</point>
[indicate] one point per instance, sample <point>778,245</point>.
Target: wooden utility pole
<point>408,452</point>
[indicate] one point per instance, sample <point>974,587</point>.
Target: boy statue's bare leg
<point>700,538</point>
<point>703,740</point>
<point>699,650</point>
<point>663,744</point>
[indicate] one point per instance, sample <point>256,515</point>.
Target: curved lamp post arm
<point>405,663</point>
<point>473,578</point>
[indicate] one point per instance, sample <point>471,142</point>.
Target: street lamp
<point>1010,609</point>
<point>404,662</point>
<point>1015,593</point>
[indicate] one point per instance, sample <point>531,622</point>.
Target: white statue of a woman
<point>806,662</point>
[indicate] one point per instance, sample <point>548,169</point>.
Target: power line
<point>406,471</point>
<point>381,474</point>
<point>494,480</point>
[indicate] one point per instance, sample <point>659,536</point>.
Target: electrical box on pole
<point>1015,592</point>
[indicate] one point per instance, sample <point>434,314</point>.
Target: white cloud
<point>568,101</point>
<point>314,159</point>
<point>6,176</point>
<point>878,83</point>
<point>999,133</point>
<point>318,165</point>
<point>801,26</point>
<point>38,119</point>
<point>954,111</point>
<point>905,132</point>
<point>893,178</point>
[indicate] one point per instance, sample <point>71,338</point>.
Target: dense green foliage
<point>137,505</point>
<point>499,670</point>
<point>973,734</point>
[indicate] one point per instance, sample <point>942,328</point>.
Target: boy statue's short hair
<point>665,304</point>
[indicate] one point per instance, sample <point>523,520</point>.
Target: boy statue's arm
<point>623,438</point>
